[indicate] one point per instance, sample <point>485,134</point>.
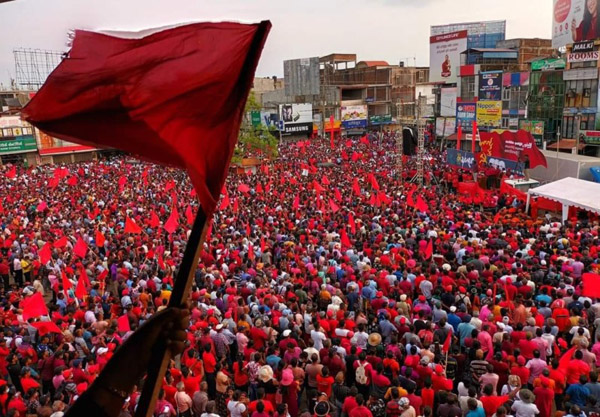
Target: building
<point>479,34</point>
<point>261,85</point>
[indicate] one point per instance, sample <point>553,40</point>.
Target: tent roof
<point>572,192</point>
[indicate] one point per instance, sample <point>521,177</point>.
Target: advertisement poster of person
<point>575,21</point>
<point>490,85</point>
<point>444,56</point>
<point>354,117</point>
<point>297,118</point>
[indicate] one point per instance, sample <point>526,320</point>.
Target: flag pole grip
<point>160,357</point>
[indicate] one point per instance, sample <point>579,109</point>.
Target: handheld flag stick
<point>160,358</point>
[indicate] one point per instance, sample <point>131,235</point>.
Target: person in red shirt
<point>325,381</point>
<point>210,365</point>
<point>427,394</point>
<point>361,410</point>
<point>576,368</point>
<point>492,402</point>
<point>520,370</point>
<point>191,382</point>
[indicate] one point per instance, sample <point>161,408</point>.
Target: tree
<point>254,140</point>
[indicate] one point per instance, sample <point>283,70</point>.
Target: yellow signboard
<point>489,113</point>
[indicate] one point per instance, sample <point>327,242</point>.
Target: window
<point>505,122</point>
<point>506,93</point>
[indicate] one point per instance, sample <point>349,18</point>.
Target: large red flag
<point>173,221</point>
<point>334,207</point>
<point>12,172</point>
<point>80,249</point>
<point>61,243</point>
<point>175,97</point>
<point>131,226</point>
<point>100,239</point>
<point>45,327</point>
<point>45,253</point>
<point>34,306</point>
<point>154,220</point>
<point>591,285</point>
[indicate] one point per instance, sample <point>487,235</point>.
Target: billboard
<point>583,56</point>
<point>489,113</point>
<point>354,117</point>
<point>16,136</point>
<point>445,126</point>
<point>302,77</point>
<point>490,85</point>
<point>448,102</point>
<point>49,145</point>
<point>444,56</point>
<point>466,114</point>
<point>572,22</point>
<point>297,118</point>
<point>380,119</point>
<point>461,159</point>
<point>548,64</point>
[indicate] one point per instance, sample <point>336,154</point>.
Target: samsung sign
<point>583,46</point>
<point>583,56</point>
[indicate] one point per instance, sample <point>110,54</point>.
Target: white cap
<point>287,332</point>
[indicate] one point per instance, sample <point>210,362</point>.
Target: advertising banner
<point>466,114</point>
<point>583,56</point>
<point>548,64</point>
<point>16,136</point>
<point>591,137</point>
<point>490,85</point>
<point>297,118</point>
<point>574,22</point>
<point>354,117</point>
<point>380,119</point>
<point>535,127</point>
<point>255,118</point>
<point>448,102</point>
<point>489,113</point>
<point>49,145</point>
<point>515,146</point>
<point>444,56</point>
<point>445,126</point>
<point>461,159</point>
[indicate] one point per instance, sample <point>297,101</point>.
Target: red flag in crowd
<point>318,188</point>
<point>352,223</point>
<point>45,253</point>
<point>421,205</point>
<point>122,182</point>
<point>131,226</point>
<point>447,342</point>
<point>12,172</point>
<point>346,244</point>
<point>100,239</point>
<point>355,156</point>
<point>334,207</point>
<point>429,249</point>
<point>53,182</point>
<point>173,221</point>
<point>348,143</point>
<point>83,277</point>
<point>65,282</point>
<point>154,220</point>
<point>34,306</point>
<point>80,249</point>
<point>169,185</point>
<point>325,180</point>
<point>123,324</point>
<point>356,186</point>
<point>243,188</point>
<point>224,202</point>
<point>591,285</point>
<point>259,188</point>
<point>337,194</point>
<point>122,94</point>
<point>72,181</point>
<point>189,215</point>
<point>364,139</point>
<point>42,206</point>
<point>296,202</point>
<point>251,252</point>
<point>61,243</point>
<point>80,290</point>
<point>235,206</point>
<point>45,327</point>
<point>262,244</point>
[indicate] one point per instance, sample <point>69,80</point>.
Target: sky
<point>391,30</point>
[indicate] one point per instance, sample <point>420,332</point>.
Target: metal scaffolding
<point>399,155</point>
<point>32,66</point>
<point>421,122</point>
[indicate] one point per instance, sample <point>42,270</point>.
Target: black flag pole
<point>160,357</point>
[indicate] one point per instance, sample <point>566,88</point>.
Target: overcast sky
<point>391,30</point>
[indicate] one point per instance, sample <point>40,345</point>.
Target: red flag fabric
<point>173,221</point>
<point>45,327</point>
<point>325,180</point>
<point>346,244</point>
<point>458,136</point>
<point>80,290</point>
<point>591,285</point>
<point>243,188</point>
<point>224,202</point>
<point>80,249</point>
<point>447,342</point>
<point>348,144</point>
<point>337,194</point>
<point>12,172</point>
<point>122,182</point>
<point>100,239</point>
<point>65,282</point>
<point>356,187</point>
<point>123,324</point>
<point>83,277</point>
<point>45,253</point>
<point>318,188</point>
<point>169,186</point>
<point>53,182</point>
<point>131,226</point>
<point>429,249</point>
<point>235,205</point>
<point>352,223</point>
<point>421,205</point>
<point>175,97</point>
<point>364,139</point>
<point>262,244</point>
<point>355,156</point>
<point>72,181</point>
<point>296,202</point>
<point>259,188</point>
<point>161,261</point>
<point>189,215</point>
<point>251,255</point>
<point>61,243</point>
<point>42,206</point>
<point>371,178</point>
<point>334,207</point>
<point>154,220</point>
<point>34,306</point>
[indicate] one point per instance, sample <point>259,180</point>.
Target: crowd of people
<point>328,285</point>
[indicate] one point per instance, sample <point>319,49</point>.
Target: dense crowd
<point>328,285</point>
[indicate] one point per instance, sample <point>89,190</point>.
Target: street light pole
<point>578,126</point>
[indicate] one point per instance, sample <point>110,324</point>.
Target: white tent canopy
<point>570,192</point>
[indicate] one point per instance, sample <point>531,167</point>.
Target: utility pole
<point>400,153</point>
<point>420,141</point>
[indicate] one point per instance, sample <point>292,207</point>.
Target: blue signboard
<point>490,85</point>
<point>461,159</point>
<point>466,114</point>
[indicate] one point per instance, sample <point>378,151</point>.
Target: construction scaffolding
<point>421,123</point>
<point>32,66</point>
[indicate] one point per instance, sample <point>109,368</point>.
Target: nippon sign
<point>583,56</point>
